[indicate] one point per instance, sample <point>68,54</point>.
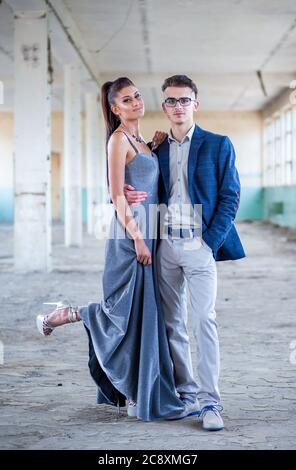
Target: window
<point>277,149</point>
<point>280,148</point>
<point>288,147</point>
<point>270,153</point>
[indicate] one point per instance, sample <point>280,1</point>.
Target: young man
<point>196,167</point>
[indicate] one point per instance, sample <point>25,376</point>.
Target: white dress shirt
<point>180,209</point>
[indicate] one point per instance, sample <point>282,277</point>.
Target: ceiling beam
<point>156,80</point>
<point>74,36</point>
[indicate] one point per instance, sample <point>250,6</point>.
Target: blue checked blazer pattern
<point>213,181</point>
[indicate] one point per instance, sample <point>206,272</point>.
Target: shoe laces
<point>215,408</point>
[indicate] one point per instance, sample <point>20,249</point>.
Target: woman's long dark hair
<point>109,91</point>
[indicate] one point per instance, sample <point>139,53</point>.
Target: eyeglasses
<point>184,101</point>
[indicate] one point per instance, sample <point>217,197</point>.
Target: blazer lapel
<point>196,141</point>
<point>164,158</point>
<point>164,163</point>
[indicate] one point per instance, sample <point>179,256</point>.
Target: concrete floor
<point>48,397</point>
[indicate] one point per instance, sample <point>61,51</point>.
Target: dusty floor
<point>48,398</point>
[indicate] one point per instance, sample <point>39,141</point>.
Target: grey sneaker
<point>191,409</point>
<point>211,418</point>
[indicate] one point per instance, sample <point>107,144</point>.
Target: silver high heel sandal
<point>44,327</point>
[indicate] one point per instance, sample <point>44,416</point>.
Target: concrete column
<point>72,157</point>
<point>32,228</point>
<point>104,208</point>
<point>93,142</point>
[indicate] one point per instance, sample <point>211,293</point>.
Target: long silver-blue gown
<point>128,346</point>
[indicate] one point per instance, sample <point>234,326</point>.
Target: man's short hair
<point>180,81</point>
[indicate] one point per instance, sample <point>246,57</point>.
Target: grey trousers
<point>190,262</point>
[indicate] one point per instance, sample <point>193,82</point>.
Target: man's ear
<point>163,107</point>
<point>196,105</point>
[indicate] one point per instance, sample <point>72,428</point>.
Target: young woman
<point>128,346</point>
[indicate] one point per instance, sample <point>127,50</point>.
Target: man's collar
<point>188,136</point>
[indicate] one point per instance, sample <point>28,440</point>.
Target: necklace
<point>137,138</point>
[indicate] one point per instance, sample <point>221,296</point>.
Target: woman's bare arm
<point>118,147</point>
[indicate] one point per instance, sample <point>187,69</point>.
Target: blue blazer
<point>213,181</point>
